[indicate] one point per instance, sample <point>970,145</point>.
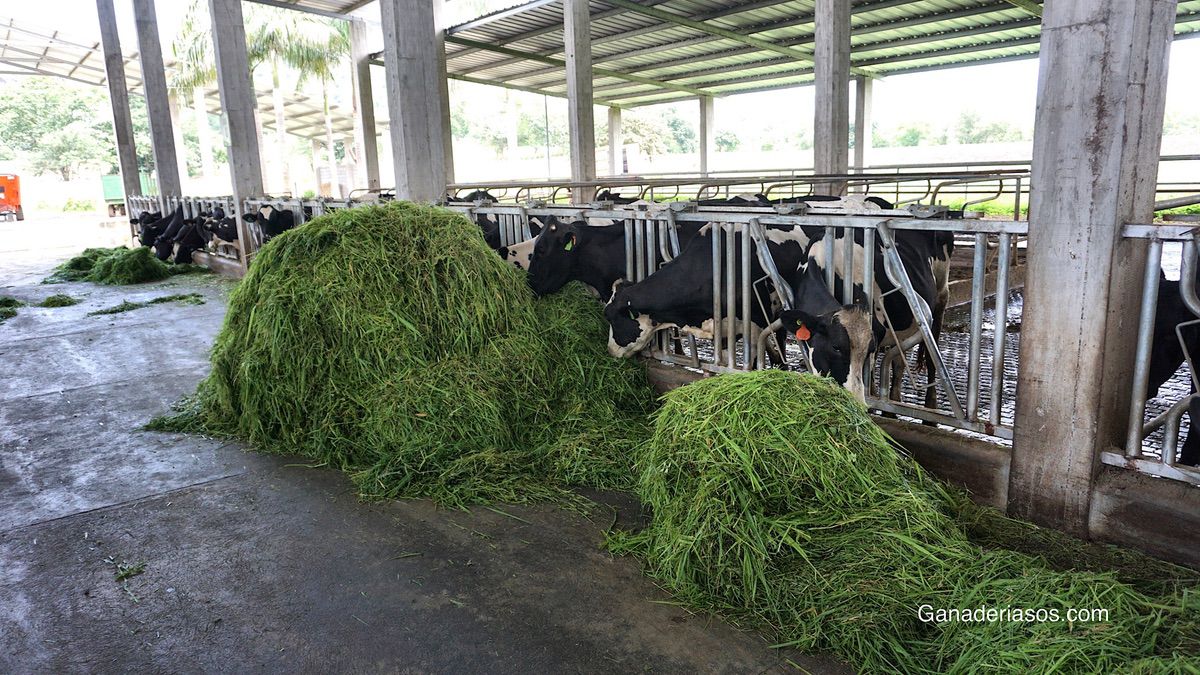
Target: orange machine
<point>10,197</point>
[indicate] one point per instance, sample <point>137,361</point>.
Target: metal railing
<point>1139,428</point>
<point>739,233</point>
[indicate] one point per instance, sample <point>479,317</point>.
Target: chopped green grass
<point>127,306</point>
<point>391,342</point>
<point>780,504</point>
<point>58,300</point>
<point>8,307</point>
<point>117,266</point>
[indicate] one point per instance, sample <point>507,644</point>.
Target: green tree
<point>727,141</point>
<point>59,127</point>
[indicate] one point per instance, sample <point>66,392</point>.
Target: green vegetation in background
<point>58,300</point>
<point>117,266</point>
<point>778,502</point>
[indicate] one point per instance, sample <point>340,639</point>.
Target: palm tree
<point>314,47</point>
<point>194,71</point>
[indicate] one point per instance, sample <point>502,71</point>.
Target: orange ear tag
<point>803,334</point>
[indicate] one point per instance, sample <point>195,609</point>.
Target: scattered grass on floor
<point>117,266</point>
<point>8,307</point>
<point>127,306</point>
<point>59,300</point>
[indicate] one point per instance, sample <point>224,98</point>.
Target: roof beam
<point>802,55</point>
<point>302,8</point>
<point>1028,5</point>
<point>601,72</point>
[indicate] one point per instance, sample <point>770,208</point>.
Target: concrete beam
<point>1097,137</point>
<point>440,25</point>
<point>577,30</point>
<point>154,81</point>
<point>831,123</point>
<point>414,101</point>
<point>364,101</point>
<point>118,95</point>
<point>862,120</point>
<point>616,143</point>
<point>707,132</point>
<point>237,107</point>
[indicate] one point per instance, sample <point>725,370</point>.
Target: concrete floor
<point>256,563</point>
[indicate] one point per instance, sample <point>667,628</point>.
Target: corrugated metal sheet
<point>888,37</point>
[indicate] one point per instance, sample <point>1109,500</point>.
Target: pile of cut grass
<point>391,342</point>
<point>8,307</point>
<point>780,504</point>
<point>117,267</point>
<point>127,306</point>
<point>58,300</point>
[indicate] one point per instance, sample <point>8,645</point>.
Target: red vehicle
<point>10,197</point>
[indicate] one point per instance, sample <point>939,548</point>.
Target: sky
<point>997,92</point>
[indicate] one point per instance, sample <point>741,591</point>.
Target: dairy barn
<point>829,403</point>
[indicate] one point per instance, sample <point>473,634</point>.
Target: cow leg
<point>930,363</point>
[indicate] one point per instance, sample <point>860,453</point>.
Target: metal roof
<point>335,9</point>
<point>27,50</point>
<point>655,51</point>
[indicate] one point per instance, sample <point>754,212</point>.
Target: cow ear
<point>570,245</point>
<point>803,323</point>
<point>535,227</point>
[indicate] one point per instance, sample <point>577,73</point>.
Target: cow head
<point>629,330</point>
<point>554,255</point>
<point>841,338</point>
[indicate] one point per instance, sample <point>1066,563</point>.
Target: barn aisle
<point>255,563</point>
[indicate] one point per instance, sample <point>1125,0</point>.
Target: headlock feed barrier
<point>740,233</point>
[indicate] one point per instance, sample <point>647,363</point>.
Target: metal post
<point>365,133</point>
<point>746,281</point>
<point>118,94</point>
<point>1000,334</point>
<point>154,81</point>
<point>978,289</point>
<point>577,42</point>
<point>1097,140</point>
<point>715,233</point>
<point>1145,344</point>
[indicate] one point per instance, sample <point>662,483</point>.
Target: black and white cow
<point>164,244</point>
<point>843,338</point>
<point>521,253</point>
<point>150,225</point>
<point>680,294</point>
<point>224,228</point>
<point>271,221</point>
<point>1167,355</point>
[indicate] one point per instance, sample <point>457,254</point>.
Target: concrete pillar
<point>616,143</point>
<point>415,105</point>
<point>707,132</point>
<point>577,41</point>
<point>831,72</point>
<point>364,103</point>
<point>440,23</point>
<point>1097,136</point>
<point>238,106</point>
<point>154,81</point>
<point>862,120</point>
<point>118,95</point>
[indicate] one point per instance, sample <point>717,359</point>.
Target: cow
<point>1167,355</point>
<point>164,243</point>
<point>520,253</point>
<point>680,294</point>
<point>271,221</point>
<point>150,225</point>
<point>592,254</point>
<point>189,240</point>
<point>842,339</point>
<point>610,196</point>
<point>224,228</point>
